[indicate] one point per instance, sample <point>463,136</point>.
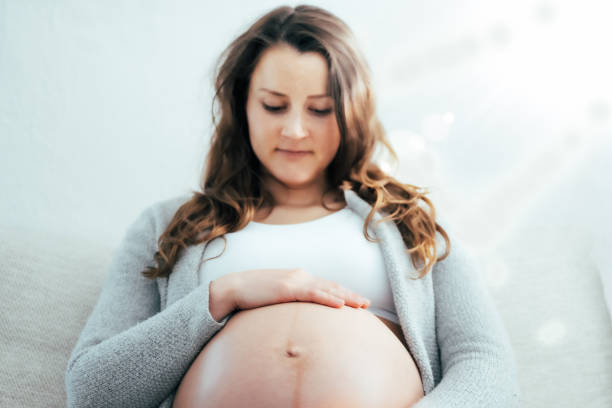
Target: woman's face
<point>292,125</point>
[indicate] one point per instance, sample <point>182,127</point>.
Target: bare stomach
<point>302,355</point>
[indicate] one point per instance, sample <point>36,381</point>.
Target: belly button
<point>293,351</point>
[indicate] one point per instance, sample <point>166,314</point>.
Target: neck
<point>309,195</point>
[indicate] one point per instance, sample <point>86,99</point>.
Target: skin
<point>296,83</point>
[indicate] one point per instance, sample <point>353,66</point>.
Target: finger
<point>326,298</point>
<point>357,301</point>
<point>350,298</point>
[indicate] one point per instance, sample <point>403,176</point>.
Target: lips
<point>294,154</point>
<point>293,151</point>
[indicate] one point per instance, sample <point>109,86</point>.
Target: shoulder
<point>165,209</point>
<point>462,262</point>
<point>158,215</point>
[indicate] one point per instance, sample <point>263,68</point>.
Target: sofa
<point>552,304</point>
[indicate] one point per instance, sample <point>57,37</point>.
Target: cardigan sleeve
<point>477,360</point>
<point>131,354</point>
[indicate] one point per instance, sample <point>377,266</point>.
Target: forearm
<point>139,366</point>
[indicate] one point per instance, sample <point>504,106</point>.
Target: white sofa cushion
<point>552,305</point>
<point>551,299</point>
<point>50,285</point>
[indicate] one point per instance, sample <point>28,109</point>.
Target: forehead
<point>284,69</point>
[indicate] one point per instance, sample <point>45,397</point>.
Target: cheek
<point>259,130</point>
<point>331,137</point>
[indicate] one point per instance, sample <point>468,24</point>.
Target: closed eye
<point>277,109</point>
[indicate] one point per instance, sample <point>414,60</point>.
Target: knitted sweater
<point>142,335</point>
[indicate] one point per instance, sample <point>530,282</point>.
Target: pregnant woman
<point>301,275</point>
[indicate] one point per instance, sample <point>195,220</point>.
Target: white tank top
<point>332,247</point>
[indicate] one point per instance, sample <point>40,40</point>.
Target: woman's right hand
<point>260,287</point>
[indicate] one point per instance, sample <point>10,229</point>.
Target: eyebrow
<point>281,94</point>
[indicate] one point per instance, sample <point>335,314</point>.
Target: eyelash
<point>277,109</point>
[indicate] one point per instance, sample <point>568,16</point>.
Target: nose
<point>294,126</point>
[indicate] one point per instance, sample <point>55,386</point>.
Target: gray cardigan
<point>142,334</point>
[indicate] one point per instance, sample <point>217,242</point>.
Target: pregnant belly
<point>302,355</point>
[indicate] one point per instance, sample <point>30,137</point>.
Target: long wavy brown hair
<point>232,184</point>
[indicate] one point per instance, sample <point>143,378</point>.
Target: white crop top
<point>332,247</point>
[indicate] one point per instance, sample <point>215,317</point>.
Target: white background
<point>503,110</point>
